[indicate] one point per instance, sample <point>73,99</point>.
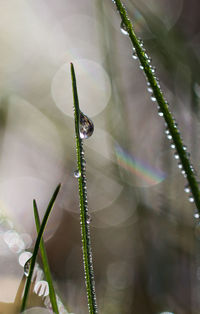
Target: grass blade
<point>36,247</point>
<point>47,272</point>
<point>85,230</point>
<point>144,59</point>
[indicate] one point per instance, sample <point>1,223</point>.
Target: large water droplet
<point>27,267</point>
<point>153,98</point>
<point>77,174</point>
<point>123,28</point>
<point>86,126</point>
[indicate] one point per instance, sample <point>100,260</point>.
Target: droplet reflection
<point>27,267</point>
<point>77,174</point>
<point>86,126</point>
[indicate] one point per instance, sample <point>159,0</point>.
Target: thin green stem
<point>84,216</point>
<point>36,247</point>
<point>47,272</point>
<point>162,103</point>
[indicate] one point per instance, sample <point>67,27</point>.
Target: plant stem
<point>84,216</point>
<point>162,103</point>
<point>36,247</point>
<point>47,272</point>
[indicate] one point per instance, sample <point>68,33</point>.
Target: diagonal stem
<point>162,103</point>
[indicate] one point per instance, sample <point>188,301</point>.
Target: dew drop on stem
<point>196,214</point>
<point>180,166</point>
<point>123,28</point>
<point>187,188</point>
<point>153,69</point>
<point>176,155</point>
<point>88,218</point>
<point>27,267</point>
<point>160,113</point>
<point>153,98</point>
<point>150,90</point>
<point>77,174</point>
<point>83,163</point>
<point>169,136</point>
<point>183,173</point>
<point>191,199</point>
<point>134,55</point>
<point>86,126</point>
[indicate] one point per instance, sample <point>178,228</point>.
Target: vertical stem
<point>84,216</point>
<point>45,262</point>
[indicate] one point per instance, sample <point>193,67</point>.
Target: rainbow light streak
<point>137,167</point>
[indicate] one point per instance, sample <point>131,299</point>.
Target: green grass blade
<point>36,247</point>
<point>162,103</point>
<point>85,230</point>
<point>47,272</point>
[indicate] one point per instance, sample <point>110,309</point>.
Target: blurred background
<point>145,237</point>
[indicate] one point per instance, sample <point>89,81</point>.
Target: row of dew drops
<point>160,113</point>
<point>86,129</point>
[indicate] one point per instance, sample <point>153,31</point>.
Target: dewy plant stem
<point>157,95</point>
<point>47,271</point>
<point>80,174</point>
